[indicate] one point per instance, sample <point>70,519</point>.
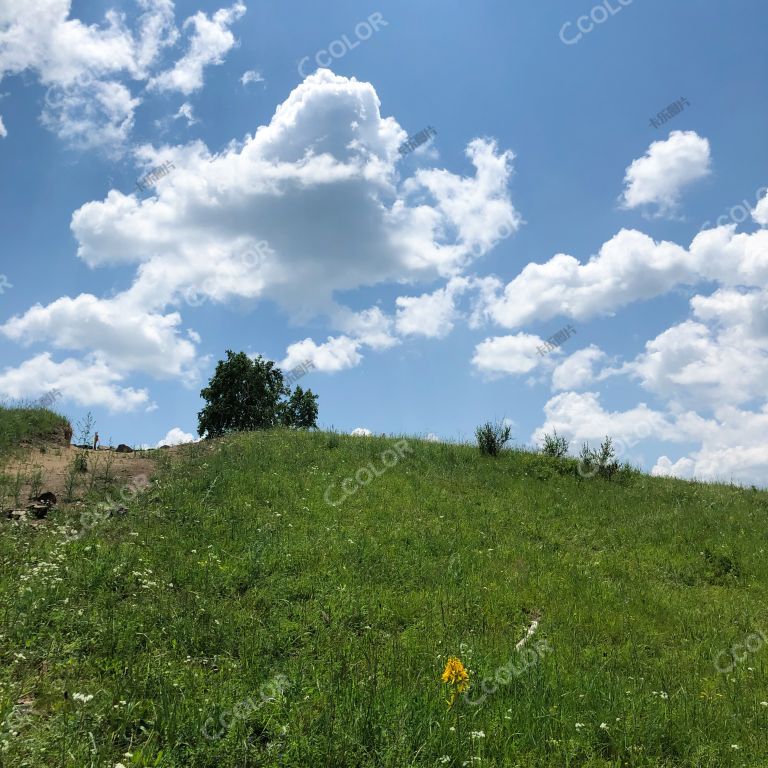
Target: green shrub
<point>555,445</point>
<point>492,437</point>
<point>602,462</point>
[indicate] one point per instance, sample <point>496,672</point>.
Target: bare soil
<point>49,467</point>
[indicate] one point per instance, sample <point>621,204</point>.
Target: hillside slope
<point>235,617</point>
<point>26,426</point>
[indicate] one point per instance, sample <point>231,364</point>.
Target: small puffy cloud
<point>336,354</point>
<point>432,438</point>
<point>760,214</point>
<point>186,112</point>
<point>371,327</point>
<point>518,354</point>
<point>577,370</point>
<point>211,39</point>
<point>3,130</point>
<point>658,178</point>
<point>477,209</point>
<point>100,115</point>
<point>431,314</point>
<point>251,76</point>
<point>684,468</point>
<point>84,383</point>
<point>361,432</point>
<point>176,436</point>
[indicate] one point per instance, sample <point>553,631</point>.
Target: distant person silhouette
<point>95,441</point>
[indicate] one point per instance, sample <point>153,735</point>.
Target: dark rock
<point>123,448</point>
<point>38,510</point>
<point>46,498</point>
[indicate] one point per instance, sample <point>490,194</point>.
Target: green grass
<point>232,586</point>
<point>28,425</point>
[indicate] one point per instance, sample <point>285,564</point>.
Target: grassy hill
<point>234,617</point>
<point>20,426</point>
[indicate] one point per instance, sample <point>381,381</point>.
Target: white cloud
<point>3,129</point>
<point>658,178</point>
<point>516,354</point>
<point>719,357</point>
<point>223,227</point>
<point>431,314</point>
<point>732,443</point>
<point>370,327</point>
<point>361,432</point>
<point>209,42</point>
<point>577,370</point>
<point>327,159</point>
<point>251,76</point>
<point>630,267</point>
<point>733,448</point>
<point>100,115</point>
<point>91,383</point>
<point>581,418</point>
<point>335,355</point>
<point>760,214</point>
<point>89,69</point>
<point>432,438</point>
<point>186,112</point>
<point>176,436</point>
<point>477,211</point>
<point>113,330</point>
<point>683,468</point>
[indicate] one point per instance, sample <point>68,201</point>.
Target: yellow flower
<point>456,676</point>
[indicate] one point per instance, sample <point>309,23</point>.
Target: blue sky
<point>422,287</point>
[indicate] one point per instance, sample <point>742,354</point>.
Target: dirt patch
<point>52,468</point>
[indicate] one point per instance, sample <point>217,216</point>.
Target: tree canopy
<point>247,394</point>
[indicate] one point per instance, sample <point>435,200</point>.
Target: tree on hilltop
<point>247,394</point>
